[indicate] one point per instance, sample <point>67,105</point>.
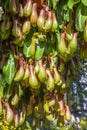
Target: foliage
<point>41,44</point>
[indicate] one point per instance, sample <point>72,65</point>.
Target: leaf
<point>26,51</point>
<point>26,48</point>
<point>71,3</point>
<point>68,15</point>
<point>54,51</point>
<point>48,45</point>
<point>81,16</point>
<point>54,2</point>
<point>28,125</point>
<point>8,92</point>
<point>1,91</point>
<point>9,70</point>
<point>6,5</point>
<point>2,84</point>
<point>58,36</point>
<point>60,13</point>
<point>20,91</point>
<point>39,51</point>
<point>54,125</point>
<point>84,2</point>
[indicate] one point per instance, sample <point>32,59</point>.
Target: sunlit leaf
<point>80,17</point>
<point>71,3</point>
<point>84,2</point>
<point>9,69</point>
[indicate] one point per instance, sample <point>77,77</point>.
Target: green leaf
<point>81,16</point>
<point>20,91</point>
<point>60,13</point>
<point>48,45</point>
<point>54,4</point>
<point>54,51</point>
<point>58,36</point>
<point>9,70</point>
<point>68,15</point>
<point>28,125</point>
<point>8,92</point>
<point>39,51</point>
<point>26,51</point>
<point>84,2</point>
<point>26,48</point>
<point>2,84</point>
<point>1,91</point>
<point>71,3</point>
